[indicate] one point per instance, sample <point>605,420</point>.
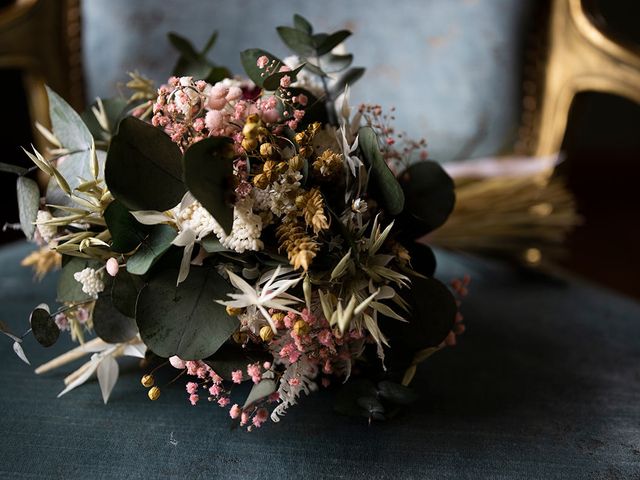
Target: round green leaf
<point>109,323</point>
<point>151,250</point>
<point>396,393</point>
<point>185,320</point>
<point>124,292</point>
<point>430,196</point>
<point>44,327</point>
<point>28,204</point>
<point>208,172</point>
<point>249,59</point>
<point>144,167</point>
<point>382,179</point>
<point>126,232</point>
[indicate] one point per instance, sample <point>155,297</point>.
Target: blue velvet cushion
<point>545,384</point>
<point>451,67</point>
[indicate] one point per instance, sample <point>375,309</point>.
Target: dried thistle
<point>328,164</point>
<point>300,248</point>
<point>313,211</point>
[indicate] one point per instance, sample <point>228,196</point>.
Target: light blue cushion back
<point>451,67</point>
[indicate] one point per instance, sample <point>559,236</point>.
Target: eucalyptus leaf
<point>302,24</point>
<point>109,323</point>
<point>381,178</point>
<point>433,312</point>
<point>126,232</point>
<point>8,168</point>
<point>69,289</point>
<point>396,393</point>
<point>332,63</point>
<point>67,125</point>
<point>211,244</point>
<point>114,108</point>
<point>332,41</point>
<point>144,167</point>
<point>151,250</point>
<point>44,327</point>
<point>297,40</point>
<point>260,391</point>
<point>272,82</point>
<point>28,204</point>
<point>208,172</point>
<point>185,320</point>
<point>346,400</point>
<point>249,59</point>
<point>430,195</point>
<point>17,348</point>
<point>124,292</point>
<point>348,78</point>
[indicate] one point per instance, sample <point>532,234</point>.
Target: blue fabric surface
<point>451,67</point>
<point>545,384</point>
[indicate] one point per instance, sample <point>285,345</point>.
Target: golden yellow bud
<point>266,333</point>
<point>261,181</point>
<point>305,152</point>
<point>154,393</point>
<point>253,118</point>
<point>147,381</point>
<point>249,144</point>
<point>234,311</point>
<point>296,163</point>
<point>278,317</point>
<point>301,327</point>
<point>267,150</point>
<point>300,138</point>
<point>250,130</point>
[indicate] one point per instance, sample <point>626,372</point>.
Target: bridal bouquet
<point>244,229</point>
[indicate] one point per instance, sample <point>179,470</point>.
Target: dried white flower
<point>47,232</point>
<point>91,281</point>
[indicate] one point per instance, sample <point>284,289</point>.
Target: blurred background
<point>476,78</point>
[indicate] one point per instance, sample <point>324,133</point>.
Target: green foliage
<point>8,168</point>
<point>28,204</point>
<point>260,391</point>
<point>249,59</point>
<point>208,172</point>
<point>69,289</point>
<point>396,393</point>
<point>44,327</point>
<point>115,108</point>
<point>126,232</point>
<point>124,292</point>
<point>108,321</point>
<point>430,197</point>
<point>272,82</point>
<point>350,77</point>
<point>151,249</point>
<point>433,313</point>
<point>185,320</point>
<point>144,167</point>
<point>196,64</point>
<point>74,135</point>
<point>363,398</point>
<point>381,179</point>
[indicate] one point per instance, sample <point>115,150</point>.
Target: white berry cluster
<point>91,281</point>
<point>47,232</point>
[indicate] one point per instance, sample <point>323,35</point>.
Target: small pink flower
<point>284,68</point>
<point>235,93</point>
<point>244,418</point>
<point>235,411</point>
<point>262,61</point>
<point>213,120</point>
<point>62,322</point>
<point>266,365</point>
<point>82,315</point>
<point>294,382</point>
<point>192,387</point>
<point>271,116</point>
<point>224,401</point>
<point>192,367</point>
<point>215,390</point>
<point>302,99</point>
<point>193,398</point>
<point>260,417</point>
<point>236,376</point>
<point>177,362</point>
<point>298,114</point>
<point>253,371</point>
<point>285,81</point>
